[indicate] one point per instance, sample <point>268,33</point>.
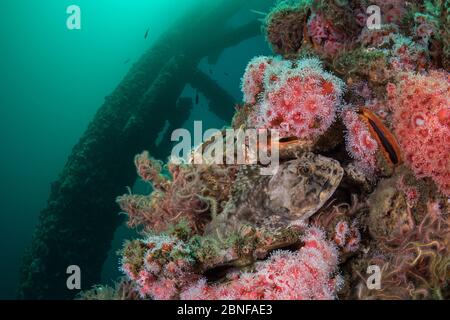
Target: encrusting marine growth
<point>364,176</point>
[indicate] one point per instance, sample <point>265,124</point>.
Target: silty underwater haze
<point>53,81</point>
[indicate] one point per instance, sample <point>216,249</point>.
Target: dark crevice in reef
<point>78,224</point>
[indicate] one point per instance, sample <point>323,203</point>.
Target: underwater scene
<point>225,150</point>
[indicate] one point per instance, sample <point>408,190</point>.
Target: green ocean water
<point>53,80</point>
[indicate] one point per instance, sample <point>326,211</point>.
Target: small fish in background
<point>197,98</point>
<point>226,74</point>
<point>127,61</point>
<point>210,71</point>
<point>146,33</point>
<point>260,13</point>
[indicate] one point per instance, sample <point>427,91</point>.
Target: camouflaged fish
<point>297,191</point>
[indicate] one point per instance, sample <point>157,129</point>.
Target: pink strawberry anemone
<point>298,98</point>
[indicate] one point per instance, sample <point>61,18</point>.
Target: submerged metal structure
<point>78,224</point>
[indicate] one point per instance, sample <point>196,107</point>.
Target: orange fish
<point>386,140</point>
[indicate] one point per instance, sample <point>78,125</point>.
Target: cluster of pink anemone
<point>297,98</point>
<point>306,274</point>
<point>421,106</point>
